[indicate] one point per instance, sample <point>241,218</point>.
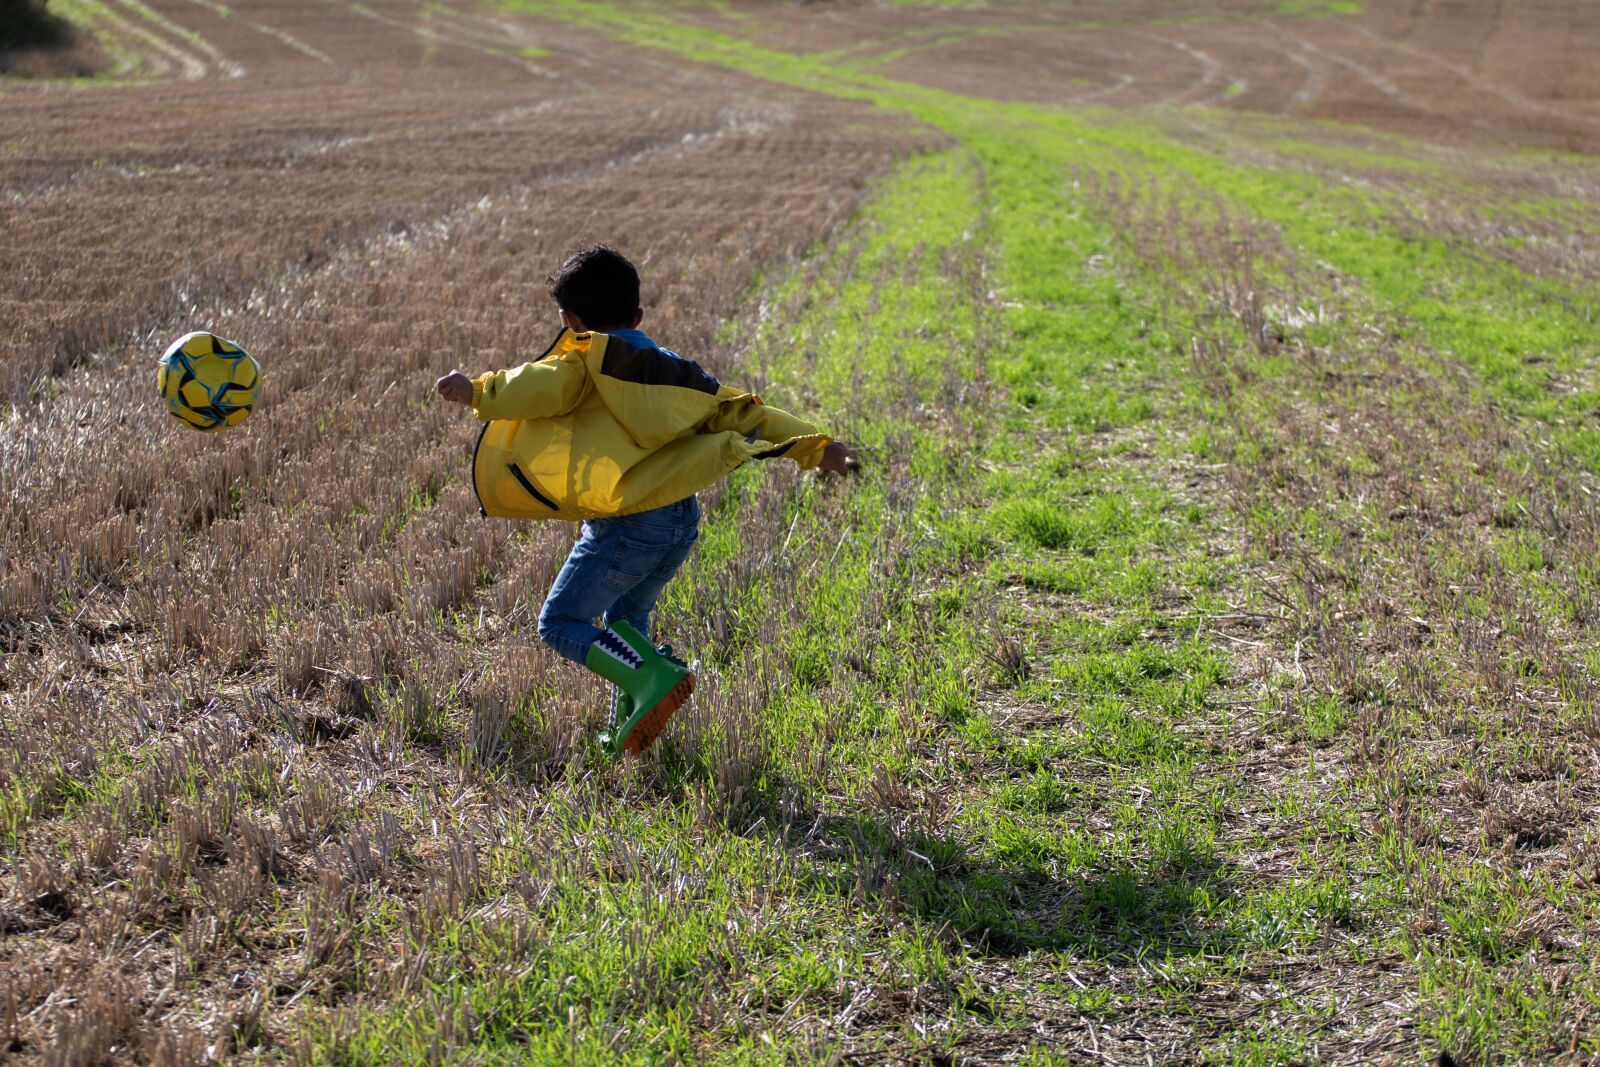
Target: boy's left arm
<point>811,448</point>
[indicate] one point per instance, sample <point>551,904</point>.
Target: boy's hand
<point>455,387</point>
<point>837,458</point>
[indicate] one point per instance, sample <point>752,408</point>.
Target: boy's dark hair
<point>598,285</point>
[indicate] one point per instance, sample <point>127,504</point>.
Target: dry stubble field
<point>1203,671</point>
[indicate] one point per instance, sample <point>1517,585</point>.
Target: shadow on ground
<point>997,909</point>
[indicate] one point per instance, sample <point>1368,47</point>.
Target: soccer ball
<point>208,383</point>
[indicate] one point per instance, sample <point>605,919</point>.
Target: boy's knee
<point>547,627</point>
<point>569,637</point>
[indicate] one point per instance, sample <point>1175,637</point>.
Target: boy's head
<point>598,287</point>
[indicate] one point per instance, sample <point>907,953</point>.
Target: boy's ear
<point>638,317</point>
<point>571,321</point>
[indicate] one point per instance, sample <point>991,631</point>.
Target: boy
<point>612,429</point>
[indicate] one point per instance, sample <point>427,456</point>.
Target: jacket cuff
<point>477,389</point>
<point>807,452</point>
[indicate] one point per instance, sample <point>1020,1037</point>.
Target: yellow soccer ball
<point>207,382</point>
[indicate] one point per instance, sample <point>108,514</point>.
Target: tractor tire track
<point>284,38</point>
<point>1475,81</point>
<point>1211,73</point>
<point>1364,73</point>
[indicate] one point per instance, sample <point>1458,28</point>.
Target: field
<point>1202,669</point>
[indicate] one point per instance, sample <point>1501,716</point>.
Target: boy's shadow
<point>997,909</point>
<point>1004,910</point>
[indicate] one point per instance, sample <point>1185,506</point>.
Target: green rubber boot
<point>652,686</point>
<point>622,703</point>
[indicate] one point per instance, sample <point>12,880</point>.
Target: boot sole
<point>644,734</point>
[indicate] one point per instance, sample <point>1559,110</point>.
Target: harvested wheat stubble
<point>261,692</point>
<point>324,154</point>
<point>188,617</point>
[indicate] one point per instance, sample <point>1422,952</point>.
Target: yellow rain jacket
<point>596,427</point>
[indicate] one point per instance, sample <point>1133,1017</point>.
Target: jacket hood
<point>655,397</point>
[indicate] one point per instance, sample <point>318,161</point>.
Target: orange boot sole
<point>649,728</point>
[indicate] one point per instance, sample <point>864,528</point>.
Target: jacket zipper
<point>533,490</point>
<point>483,511</point>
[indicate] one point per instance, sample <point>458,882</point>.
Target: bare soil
<point>1469,71</point>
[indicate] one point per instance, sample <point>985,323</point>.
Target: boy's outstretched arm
<point>747,415</point>
<point>532,391</point>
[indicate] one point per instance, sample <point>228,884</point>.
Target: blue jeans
<point>617,569</point>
